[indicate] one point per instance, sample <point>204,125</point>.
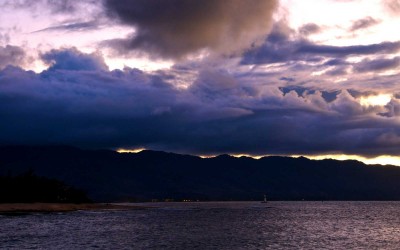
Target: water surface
<point>212,225</point>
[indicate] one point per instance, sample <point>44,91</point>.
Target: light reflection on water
<point>212,225</point>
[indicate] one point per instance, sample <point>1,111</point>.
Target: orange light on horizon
<point>381,160</point>
<point>378,160</point>
<point>135,150</point>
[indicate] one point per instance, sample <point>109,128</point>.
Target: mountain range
<point>106,175</point>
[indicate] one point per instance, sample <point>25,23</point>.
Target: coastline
<point>22,208</point>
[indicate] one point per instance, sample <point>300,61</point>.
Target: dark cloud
<point>12,55</point>
<point>72,59</point>
<point>335,62</point>
<point>381,48</point>
<point>382,64</point>
<point>76,104</point>
<point>278,48</point>
<point>287,79</point>
<point>363,23</point>
<point>177,28</point>
<point>309,29</point>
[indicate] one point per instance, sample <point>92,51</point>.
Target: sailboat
<point>265,199</point>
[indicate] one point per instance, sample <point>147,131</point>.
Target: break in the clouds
<point>177,28</point>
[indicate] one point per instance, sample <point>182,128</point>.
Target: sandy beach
<point>15,208</point>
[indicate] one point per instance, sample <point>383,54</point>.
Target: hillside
<point>110,176</point>
<point>30,188</point>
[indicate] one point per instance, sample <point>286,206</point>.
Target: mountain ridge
<point>107,175</point>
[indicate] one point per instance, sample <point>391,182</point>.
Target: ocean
<point>212,225</point>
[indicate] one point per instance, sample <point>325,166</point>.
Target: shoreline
<point>23,208</point>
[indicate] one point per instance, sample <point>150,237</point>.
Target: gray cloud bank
<point>86,105</point>
<point>177,28</point>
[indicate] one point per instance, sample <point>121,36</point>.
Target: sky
<point>317,78</point>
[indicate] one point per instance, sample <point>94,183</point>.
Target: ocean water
<point>212,225</point>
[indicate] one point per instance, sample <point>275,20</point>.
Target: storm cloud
<point>218,112</point>
<point>177,28</point>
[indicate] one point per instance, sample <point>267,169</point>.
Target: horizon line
<point>384,160</point>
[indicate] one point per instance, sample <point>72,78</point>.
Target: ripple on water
<point>213,225</point>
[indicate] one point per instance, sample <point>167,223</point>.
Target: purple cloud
<point>72,59</point>
<point>376,65</point>
<point>279,48</point>
<point>88,106</point>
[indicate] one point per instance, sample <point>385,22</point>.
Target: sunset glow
<point>136,150</point>
<point>381,160</point>
<point>204,124</point>
<point>275,78</point>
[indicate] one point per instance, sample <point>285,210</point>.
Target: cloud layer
<point>85,105</point>
<point>176,28</point>
<point>285,90</point>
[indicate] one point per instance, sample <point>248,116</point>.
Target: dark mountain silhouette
<point>28,188</point>
<point>110,176</point>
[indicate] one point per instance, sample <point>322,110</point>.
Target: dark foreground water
<point>214,225</point>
